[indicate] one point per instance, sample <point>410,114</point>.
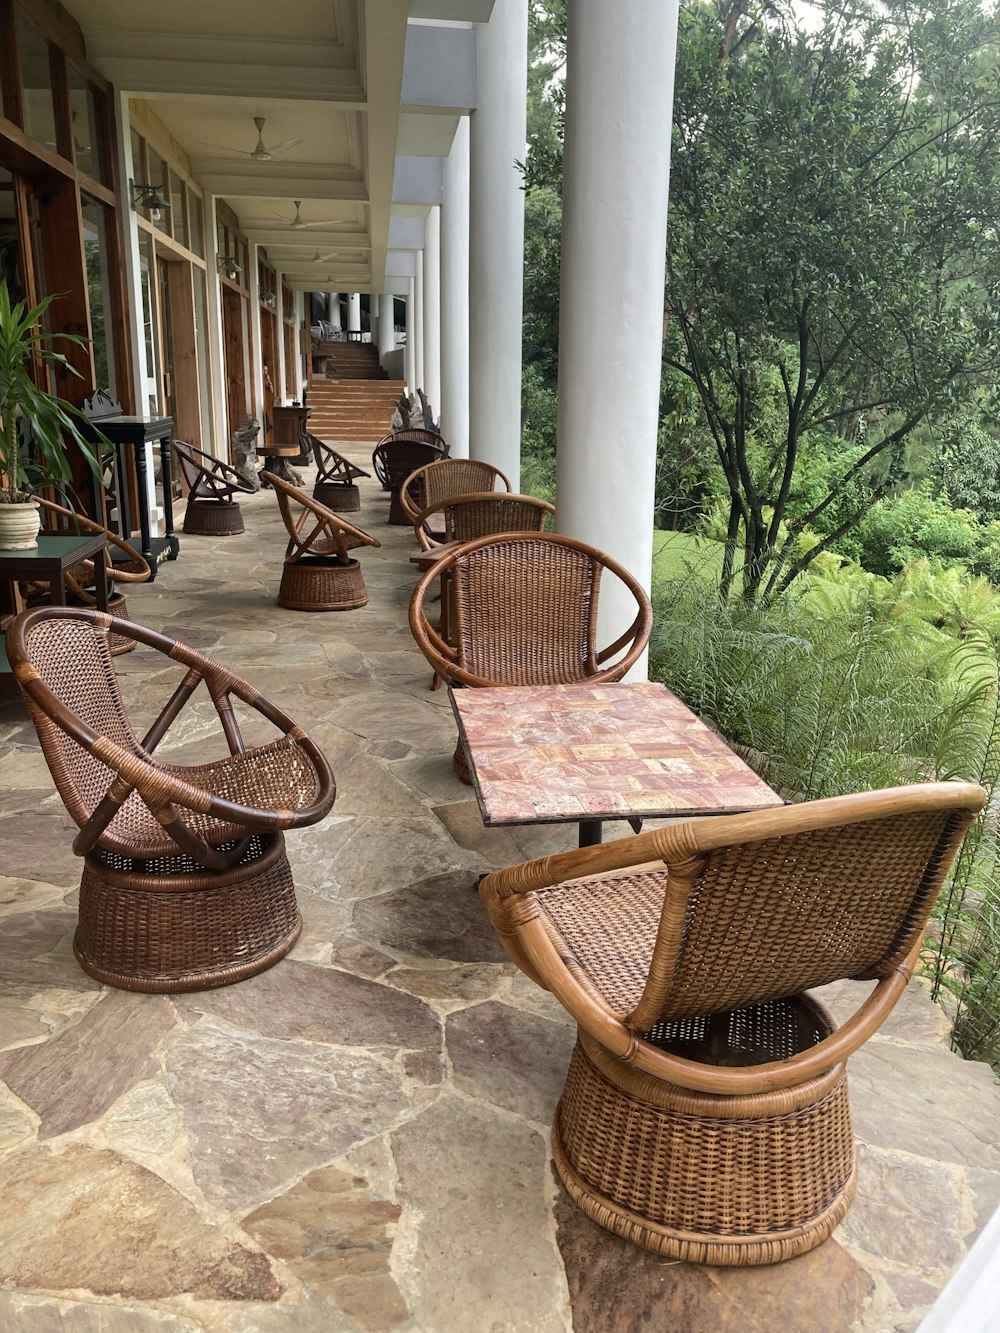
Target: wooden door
<point>234,348</point>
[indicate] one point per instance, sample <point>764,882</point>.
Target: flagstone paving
<point>357,1140</point>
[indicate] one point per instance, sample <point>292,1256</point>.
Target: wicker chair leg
<point>316,583</point>
<point>213,518</point>
<point>704,1178</point>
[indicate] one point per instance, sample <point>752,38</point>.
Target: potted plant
<point>35,426</point>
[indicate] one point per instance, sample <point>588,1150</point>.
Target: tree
<point>833,219</point>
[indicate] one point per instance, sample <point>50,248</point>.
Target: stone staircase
<point>354,403</point>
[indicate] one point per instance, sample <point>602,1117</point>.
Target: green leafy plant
<point>30,413</point>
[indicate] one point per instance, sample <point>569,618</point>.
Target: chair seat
<point>262,776</point>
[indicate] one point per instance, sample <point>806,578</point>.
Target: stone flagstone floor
<point>357,1140</point>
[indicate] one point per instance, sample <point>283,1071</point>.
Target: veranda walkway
<point>358,1138</point>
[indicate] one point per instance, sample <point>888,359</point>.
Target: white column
<point>616,167</point>
<point>418,323</point>
<point>256,368</point>
<point>411,337</point>
<point>386,325</point>
<point>300,301</point>
<point>432,310</point>
<point>278,371</point>
<point>455,295</point>
<point>333,309</point>
<point>496,258</point>
<point>354,312</point>
<point>374,312</point>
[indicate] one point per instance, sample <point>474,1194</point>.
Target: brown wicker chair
<point>185,882</point>
<point>705,1113</point>
<point>524,612</point>
<point>319,574</point>
<point>396,456</point>
<point>481,514</point>
<point>211,510</point>
<point>336,482</point>
<point>130,567</point>
<point>438,481</point>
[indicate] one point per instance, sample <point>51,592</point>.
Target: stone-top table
<point>586,753</point>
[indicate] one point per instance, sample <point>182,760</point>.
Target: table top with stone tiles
<point>543,754</point>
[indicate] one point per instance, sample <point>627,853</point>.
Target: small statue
<point>245,451</point>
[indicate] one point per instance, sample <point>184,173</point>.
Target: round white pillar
<point>354,312</point>
<point>418,323</point>
<point>614,237</point>
<point>411,337</point>
<point>432,310</point>
<point>455,295</point>
<point>333,305</point>
<point>386,325</point>
<point>496,238</point>
<point>373,317</point>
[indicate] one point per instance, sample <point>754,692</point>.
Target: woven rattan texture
<point>733,1190</point>
<point>317,584</point>
<point>466,519</point>
<point>523,613</point>
<point>394,460</point>
<point>764,919</point>
<point>212,936</point>
<point>437,482</point>
<point>213,518</point>
<point>341,497</point>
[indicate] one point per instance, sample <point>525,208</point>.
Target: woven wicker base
<point>316,583</point>
<point>186,932</point>
<point>213,518</point>
<point>341,498</point>
<point>699,1177</point>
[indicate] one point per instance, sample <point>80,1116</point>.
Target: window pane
<point>36,85</point>
<point>151,396</point>
<point>139,172</point>
<point>178,211</point>
<point>197,242</point>
<point>83,113</point>
<point>95,249</point>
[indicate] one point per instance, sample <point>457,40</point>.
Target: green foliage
<point>913,524</point>
<point>832,226</point>
<point>542,234</point>
<point>49,422</point>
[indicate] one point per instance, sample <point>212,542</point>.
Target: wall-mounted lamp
<point>149,198</point>
<point>270,299</point>
<point>228,267</point>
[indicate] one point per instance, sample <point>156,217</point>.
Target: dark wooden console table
<point>136,432</point>
<point>290,429</point>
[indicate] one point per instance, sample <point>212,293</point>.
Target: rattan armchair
<point>481,514</point>
<point>397,456</point>
<point>185,882</point>
<point>705,1114</point>
<point>130,567</point>
<point>319,573</point>
<point>336,480</point>
<point>523,611</point>
<point>211,510</point>
<point>438,481</point>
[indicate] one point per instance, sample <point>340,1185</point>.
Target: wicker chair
<point>336,482</point>
<point>131,567</point>
<point>211,510</point>
<point>396,456</point>
<point>185,882</point>
<point>319,574</point>
<point>440,480</point>
<point>462,518</point>
<point>524,612</point>
<point>705,1113</point>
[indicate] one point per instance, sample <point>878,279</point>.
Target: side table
<point>51,558</point>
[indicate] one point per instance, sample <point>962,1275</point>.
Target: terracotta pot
<point>19,524</point>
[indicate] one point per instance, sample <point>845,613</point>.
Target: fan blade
<point>325,259</point>
<point>219,148</point>
<point>283,147</point>
<point>329,223</point>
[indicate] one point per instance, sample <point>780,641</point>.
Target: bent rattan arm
<point>208,478</point>
<point>164,789</point>
<point>524,612</point>
<point>878,862</point>
<point>438,481</point>
<point>330,534</point>
<point>333,467</point>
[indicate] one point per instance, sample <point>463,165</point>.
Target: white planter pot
<point>19,524</point>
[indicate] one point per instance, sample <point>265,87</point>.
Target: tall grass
<point>841,687</point>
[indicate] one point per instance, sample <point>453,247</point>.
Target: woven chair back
<point>394,459</point>
<point>191,469</point>
<point>525,613</point>
<point>469,516</point>
<point>754,921</point>
<point>312,528</point>
<point>73,660</point>
<point>436,482</point>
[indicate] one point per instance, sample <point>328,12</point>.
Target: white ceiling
<point>328,72</point>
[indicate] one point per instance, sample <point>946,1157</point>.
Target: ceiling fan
<point>324,259</point>
<point>299,223</point>
<point>261,152</point>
